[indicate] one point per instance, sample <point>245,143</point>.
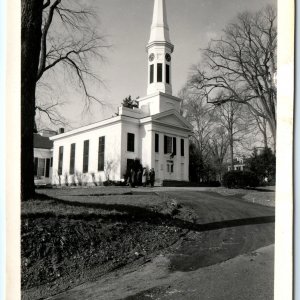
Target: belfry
<point>159,51</point>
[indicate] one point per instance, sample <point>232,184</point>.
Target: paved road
<point>225,227</point>
<point>214,261</point>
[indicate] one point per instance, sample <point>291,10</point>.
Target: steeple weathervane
<point>159,50</point>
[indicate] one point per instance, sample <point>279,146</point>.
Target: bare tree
<point>31,23</point>
<point>218,146</point>
<point>242,65</point>
<point>234,119</point>
<point>41,52</point>
<point>199,113</point>
<point>262,127</point>
<point>69,50</point>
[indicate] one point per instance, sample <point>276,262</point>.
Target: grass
<point>263,196</point>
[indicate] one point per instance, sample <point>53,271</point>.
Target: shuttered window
<point>167,144</point>
<point>101,150</point>
<point>159,72</point>
<point>156,143</point>
<point>60,159</point>
<point>72,159</point>
<point>47,172</point>
<point>130,142</point>
<point>174,146</point>
<point>167,74</point>
<point>151,73</point>
<point>85,167</point>
<point>182,147</point>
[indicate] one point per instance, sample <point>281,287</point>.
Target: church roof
<point>41,142</point>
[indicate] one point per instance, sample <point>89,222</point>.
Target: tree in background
<point>129,102</point>
<point>263,165</point>
<point>242,65</point>
<point>235,120</point>
<point>218,147</point>
<point>200,114</point>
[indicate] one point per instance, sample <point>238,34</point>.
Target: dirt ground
<point>65,243</point>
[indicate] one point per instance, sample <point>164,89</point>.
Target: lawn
<point>263,195</point>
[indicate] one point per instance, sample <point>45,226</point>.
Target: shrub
<point>240,179</point>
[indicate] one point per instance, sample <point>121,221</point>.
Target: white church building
<point>155,132</point>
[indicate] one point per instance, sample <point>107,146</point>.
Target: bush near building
<point>240,179</point>
<point>263,164</point>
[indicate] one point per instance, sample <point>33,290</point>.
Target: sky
<point>126,24</point>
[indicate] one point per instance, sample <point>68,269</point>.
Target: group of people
<point>141,178</point>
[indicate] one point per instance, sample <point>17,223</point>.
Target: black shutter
<point>165,144</point>
<point>182,147</point>
<point>85,167</point>
<point>151,73</point>
<point>174,146</point>
<point>72,159</point>
<point>101,151</point>
<point>60,159</point>
<point>167,74</point>
<point>156,143</point>
<point>159,72</point>
<point>47,167</point>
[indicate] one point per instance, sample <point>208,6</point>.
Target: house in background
<point>155,132</point>
<point>43,153</point>
<point>238,164</point>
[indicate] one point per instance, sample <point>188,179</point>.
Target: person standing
<point>132,175</point>
<point>144,177</point>
<point>152,177</point>
<point>139,175</point>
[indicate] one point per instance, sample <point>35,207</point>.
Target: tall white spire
<point>159,50</point>
<point>159,27</point>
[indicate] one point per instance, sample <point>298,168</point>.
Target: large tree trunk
<point>30,50</point>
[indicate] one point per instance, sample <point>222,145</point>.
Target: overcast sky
<point>192,24</point>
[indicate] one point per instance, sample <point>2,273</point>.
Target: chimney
<point>61,130</point>
<point>47,133</point>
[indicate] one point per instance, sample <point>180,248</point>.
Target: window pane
<point>101,151</point>
<point>41,167</point>
<point>167,144</point>
<point>130,142</point>
<point>151,73</point>
<point>167,74</point>
<point>85,168</point>
<point>159,72</point>
<point>72,159</point>
<point>156,143</point>
<point>60,159</point>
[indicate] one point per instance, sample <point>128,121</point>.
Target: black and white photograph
<point>149,146</point>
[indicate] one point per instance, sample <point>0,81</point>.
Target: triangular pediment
<point>172,117</point>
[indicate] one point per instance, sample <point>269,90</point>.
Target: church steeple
<point>159,27</point>
<point>159,50</point>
